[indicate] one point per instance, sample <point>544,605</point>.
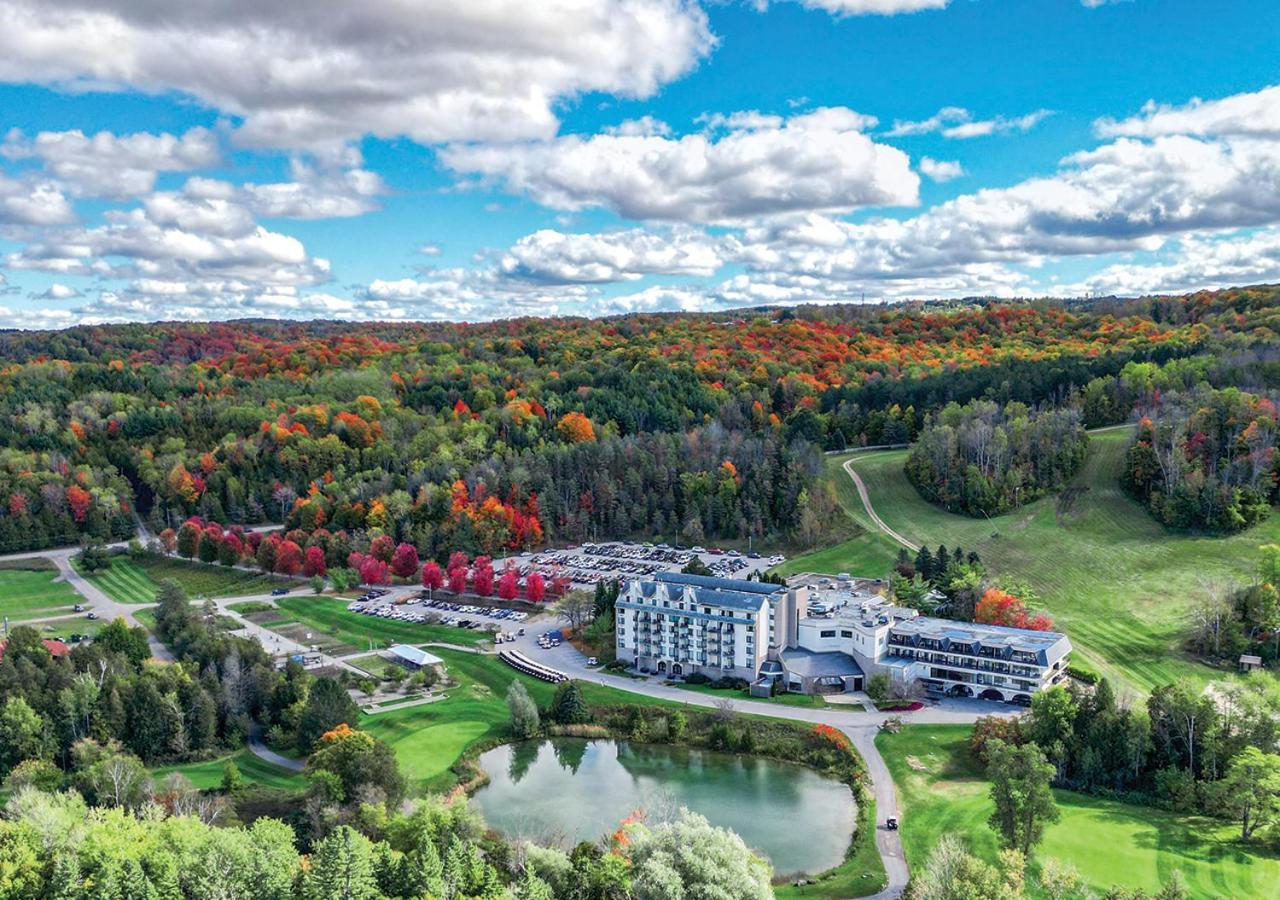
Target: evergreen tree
<point>328,705</point>
<point>568,707</point>
<point>341,868</point>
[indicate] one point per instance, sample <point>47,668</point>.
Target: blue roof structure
<point>727,593</point>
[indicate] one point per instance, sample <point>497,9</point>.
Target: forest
<point>485,437</point>
<point>982,459</point>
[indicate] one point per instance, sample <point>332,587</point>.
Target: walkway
<point>266,754</point>
<point>866,504</point>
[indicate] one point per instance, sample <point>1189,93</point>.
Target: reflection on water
<point>569,789</point>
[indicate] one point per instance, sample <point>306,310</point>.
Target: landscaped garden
<point>130,580</point>
<point>1116,581</point>
<point>942,790</point>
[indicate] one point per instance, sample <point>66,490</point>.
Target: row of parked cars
<point>511,615</point>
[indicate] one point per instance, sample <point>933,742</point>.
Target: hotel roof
<point>726,593</point>
<point>1047,645</point>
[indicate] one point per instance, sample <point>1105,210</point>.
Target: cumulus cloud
<point>1195,262</point>
<point>553,257</point>
<point>941,170</point>
<point>958,123</point>
<point>57,292</point>
<point>26,201</point>
<point>435,70</point>
<point>744,166</point>
<point>113,166</point>
<point>1256,113</point>
<point>867,7</point>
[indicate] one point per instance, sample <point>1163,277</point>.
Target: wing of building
<point>819,635</point>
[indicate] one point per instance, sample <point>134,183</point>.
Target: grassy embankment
<point>942,790</point>
<point>28,591</point>
<point>1117,582</point>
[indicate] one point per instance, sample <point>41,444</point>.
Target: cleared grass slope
<point>1118,583</point>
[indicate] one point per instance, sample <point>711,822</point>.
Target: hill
<point>1116,581</point>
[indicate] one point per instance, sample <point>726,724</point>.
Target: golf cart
<point>891,823</point>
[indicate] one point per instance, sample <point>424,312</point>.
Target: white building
<point>826,638</point>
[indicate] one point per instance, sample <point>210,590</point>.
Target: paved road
<point>263,752</point>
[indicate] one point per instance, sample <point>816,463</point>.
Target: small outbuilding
<point>413,657</point>
<point>1249,663</point>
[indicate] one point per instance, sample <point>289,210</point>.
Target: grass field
<point>1118,583</point>
<point>32,593</point>
<point>428,739</point>
<point>808,701</point>
<point>941,791</point>
<point>323,614</point>
<point>136,581</point>
<point>208,774</point>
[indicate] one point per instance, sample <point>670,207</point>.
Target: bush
<point>879,687</point>
<point>697,678</point>
<point>1080,673</point>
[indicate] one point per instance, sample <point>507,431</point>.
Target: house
<point>1250,663</point>
<point>414,658</point>
<point>56,648</point>
<point>819,635</point>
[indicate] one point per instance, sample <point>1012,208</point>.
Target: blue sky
<point>494,158</point>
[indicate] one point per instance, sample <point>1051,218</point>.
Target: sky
<point>480,159</point>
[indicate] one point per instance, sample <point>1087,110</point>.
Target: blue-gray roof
<point>1049,646</point>
<point>741,585</point>
<point>808,664</point>
<point>728,593</point>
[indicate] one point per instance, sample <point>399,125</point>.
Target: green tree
<point>118,637</point>
<point>360,761</point>
<point>568,706</point>
<point>690,857</point>
<point>1251,790</point>
<point>341,868</point>
<point>231,778</point>
<point>952,873</point>
<point>93,557</point>
<point>24,734</point>
<point>1020,779</point>
<point>524,712</point>
<point>328,705</point>
<point>1051,724</point>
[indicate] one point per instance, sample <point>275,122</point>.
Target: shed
<point>1249,663</point>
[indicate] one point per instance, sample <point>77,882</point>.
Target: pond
<point>569,789</point>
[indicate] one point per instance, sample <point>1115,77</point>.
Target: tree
<point>1051,724</point>
<point>24,734</point>
<point>118,637</point>
<point>382,548</point>
<point>432,577</point>
<point>188,540</point>
<point>577,607</point>
<point>690,857</point>
<point>535,587</point>
<point>231,778</point>
<point>328,706</point>
<point>878,687</point>
<point>509,584</point>
<point>524,712</point>
<point>1251,790</point>
<point>695,566</point>
<point>1020,779</point>
<point>93,557</point>
<point>313,564</point>
<point>360,762</point>
<point>952,873</point>
<point>568,706</point>
<point>404,561</point>
<point>482,576</point>
<point>288,558</point>
<point>341,868</point>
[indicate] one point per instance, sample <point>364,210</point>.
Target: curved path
<point>866,504</point>
<point>266,754</point>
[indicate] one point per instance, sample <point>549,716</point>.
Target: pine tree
<point>924,563</point>
<point>568,707</point>
<point>341,868</point>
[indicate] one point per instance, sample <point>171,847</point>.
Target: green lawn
<point>1118,583</point>
<point>208,774</point>
<point>327,613</point>
<point>941,791</point>
<point>428,739</point>
<point>136,581</point>
<point>31,593</point>
<point>811,701</point>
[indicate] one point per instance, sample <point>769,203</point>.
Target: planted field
<point>1117,582</point>
<point>330,616</point>
<point>208,774</point>
<point>31,593</point>
<point>941,790</point>
<point>136,581</point>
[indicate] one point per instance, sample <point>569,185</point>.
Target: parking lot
<point>420,608</point>
<point>590,563</point>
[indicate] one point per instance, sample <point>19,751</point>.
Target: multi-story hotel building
<point>825,637</point>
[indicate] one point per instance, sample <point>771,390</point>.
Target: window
<point>848,634</point>
<point>827,634</point>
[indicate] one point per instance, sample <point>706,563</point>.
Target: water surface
<point>570,790</point>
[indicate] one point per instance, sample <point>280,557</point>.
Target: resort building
<point>825,636</point>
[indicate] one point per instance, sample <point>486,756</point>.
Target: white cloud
<point>958,123</point>
<point>1197,262</point>
<point>553,257</point>
<point>867,7</point>
<point>1256,113</point>
<point>941,170</point>
<point>25,201</point>
<point>58,292</point>
<point>434,70</point>
<point>114,166</point>
<point>746,166</point>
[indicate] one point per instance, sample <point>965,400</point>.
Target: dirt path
<point>866,504</point>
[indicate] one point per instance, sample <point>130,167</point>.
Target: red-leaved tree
<point>432,577</point>
<point>482,576</point>
<point>999,607</point>
<point>535,587</point>
<point>288,558</point>
<point>313,564</point>
<point>404,562</point>
<point>508,584</point>
<point>457,580</point>
<point>382,548</point>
